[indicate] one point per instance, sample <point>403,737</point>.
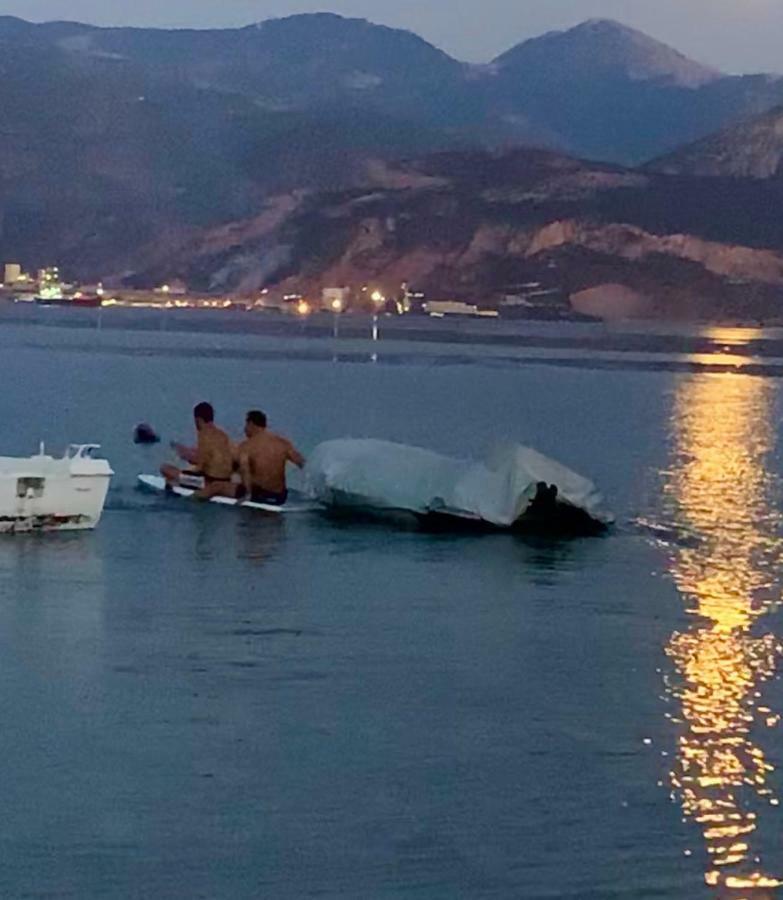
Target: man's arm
<point>294,456</point>
<point>188,454</point>
<point>245,471</point>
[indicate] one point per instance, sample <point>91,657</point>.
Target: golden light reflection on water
<point>732,337</point>
<point>721,494</point>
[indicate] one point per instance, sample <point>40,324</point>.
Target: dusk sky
<point>735,35</point>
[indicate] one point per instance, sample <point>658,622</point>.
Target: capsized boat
<point>515,488</point>
<point>44,493</point>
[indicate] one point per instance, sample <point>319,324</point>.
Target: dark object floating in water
<point>145,434</point>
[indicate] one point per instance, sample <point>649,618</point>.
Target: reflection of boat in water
<point>41,493</point>
<point>514,489</point>
<point>721,491</point>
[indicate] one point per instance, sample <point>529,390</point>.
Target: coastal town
<point>48,286</point>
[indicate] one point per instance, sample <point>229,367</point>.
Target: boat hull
<point>46,522</point>
<point>41,493</point>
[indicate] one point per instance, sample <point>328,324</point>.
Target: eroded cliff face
<point>239,256</point>
<point>482,226</point>
<point>632,243</point>
<point>374,252</point>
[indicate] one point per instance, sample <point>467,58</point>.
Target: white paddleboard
<point>158,483</point>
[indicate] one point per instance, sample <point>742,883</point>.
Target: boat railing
<point>81,451</point>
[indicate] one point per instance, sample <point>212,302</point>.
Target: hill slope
<point>479,226</point>
<point>752,149</point>
<point>100,154</point>
<point>599,90</point>
<point>117,142</point>
<point>295,63</point>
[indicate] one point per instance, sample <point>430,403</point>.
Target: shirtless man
<point>262,461</point>
<point>212,460</point>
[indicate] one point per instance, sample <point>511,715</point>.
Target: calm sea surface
<point>204,703</point>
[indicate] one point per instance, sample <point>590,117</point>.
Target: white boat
<point>44,493</point>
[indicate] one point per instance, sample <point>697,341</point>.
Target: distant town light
<point>49,285</point>
<point>337,305</point>
<point>303,308</point>
<point>377,297</point>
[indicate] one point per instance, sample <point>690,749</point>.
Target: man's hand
<point>183,452</point>
<point>295,456</point>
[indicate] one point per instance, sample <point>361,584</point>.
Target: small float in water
<point>144,433</point>
<point>514,489</point>
<point>44,493</point>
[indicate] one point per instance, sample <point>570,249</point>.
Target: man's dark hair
<point>204,412</point>
<point>256,417</point>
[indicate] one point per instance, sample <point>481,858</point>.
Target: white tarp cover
<point>382,474</point>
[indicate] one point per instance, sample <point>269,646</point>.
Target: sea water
<point>201,702</point>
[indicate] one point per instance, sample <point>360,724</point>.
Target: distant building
<point>175,288</point>
<point>515,300</point>
<point>50,286</point>
<point>12,273</point>
<point>441,308</point>
<point>409,300</point>
<point>335,299</point>
<point>532,296</point>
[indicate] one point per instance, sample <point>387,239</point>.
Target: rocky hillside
<point>99,156</point>
<point>752,149</point>
<point>482,226</point>
<point>300,62</point>
<point>600,90</point>
<point>127,152</point>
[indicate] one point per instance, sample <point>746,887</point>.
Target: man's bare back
<point>263,457</point>
<point>212,459</point>
<point>214,454</point>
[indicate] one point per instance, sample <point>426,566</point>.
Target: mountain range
<point>123,150</point>
<point>600,90</point>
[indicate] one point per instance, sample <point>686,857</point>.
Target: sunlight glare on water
<point>722,493</point>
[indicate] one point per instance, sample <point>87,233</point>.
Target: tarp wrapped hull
<point>513,488</point>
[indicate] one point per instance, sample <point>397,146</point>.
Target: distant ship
<point>88,300</point>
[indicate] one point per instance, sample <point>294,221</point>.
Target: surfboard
<point>294,505</point>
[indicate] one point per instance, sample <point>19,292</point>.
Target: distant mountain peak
<point>605,25</point>
<point>604,46</point>
<point>312,19</point>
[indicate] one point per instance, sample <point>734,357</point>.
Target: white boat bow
<point>44,493</point>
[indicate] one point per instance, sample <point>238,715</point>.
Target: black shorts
<point>258,495</point>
